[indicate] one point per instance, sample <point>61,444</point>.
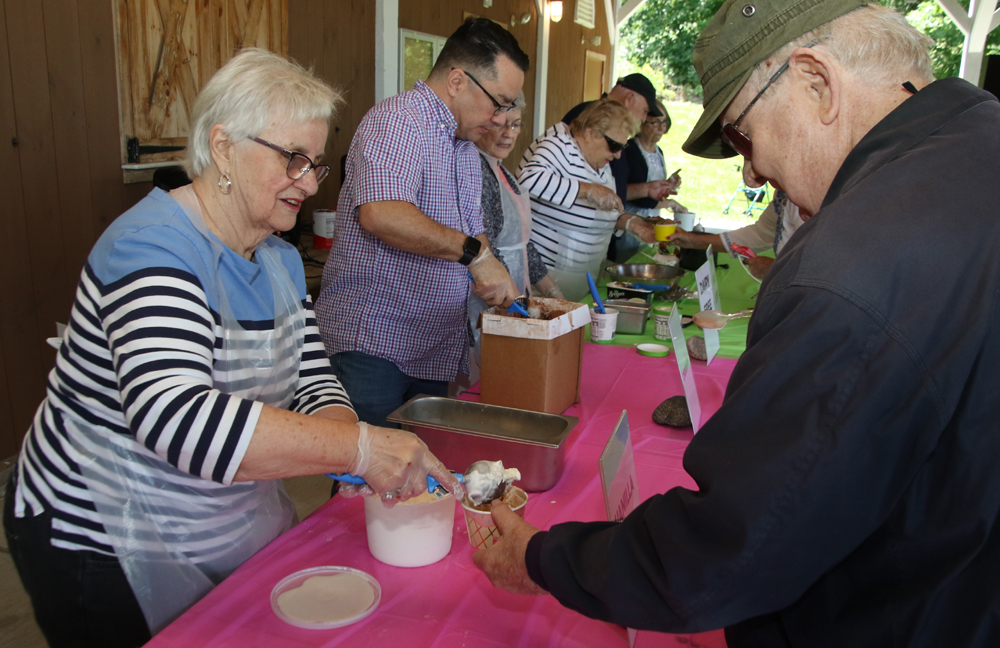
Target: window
<point>417,55</point>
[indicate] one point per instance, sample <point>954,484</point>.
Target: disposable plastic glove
<point>398,463</point>
<point>491,280</point>
<point>641,229</point>
<point>603,198</point>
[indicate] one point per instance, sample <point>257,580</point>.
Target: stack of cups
<point>323,221</point>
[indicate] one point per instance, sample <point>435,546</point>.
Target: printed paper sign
<point>685,368</point>
<point>618,481</point>
<point>708,299</point>
<point>617,464</point>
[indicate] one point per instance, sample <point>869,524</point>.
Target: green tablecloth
<point>737,291</point>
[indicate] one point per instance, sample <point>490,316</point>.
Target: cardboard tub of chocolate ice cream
<point>462,432</point>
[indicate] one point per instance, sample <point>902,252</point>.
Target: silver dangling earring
<point>228,186</point>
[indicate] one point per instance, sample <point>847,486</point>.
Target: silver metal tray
<point>461,432</point>
<point>644,271</point>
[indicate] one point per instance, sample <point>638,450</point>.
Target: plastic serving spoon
<point>645,286</point>
<point>517,307</point>
<point>434,487</point>
<point>486,480</point>
<point>598,304</point>
<point>713,319</point>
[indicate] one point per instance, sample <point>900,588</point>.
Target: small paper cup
<point>602,327</point>
<point>686,220</point>
<point>664,230</point>
<point>483,533</point>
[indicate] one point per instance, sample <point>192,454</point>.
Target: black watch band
<point>470,250</point>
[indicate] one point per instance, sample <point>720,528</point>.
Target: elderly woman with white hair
<point>190,378</point>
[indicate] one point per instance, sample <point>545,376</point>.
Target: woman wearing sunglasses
<point>574,207</point>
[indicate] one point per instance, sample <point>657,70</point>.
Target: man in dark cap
<point>635,92</point>
<point>848,491</point>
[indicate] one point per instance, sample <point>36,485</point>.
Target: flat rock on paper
<point>673,412</point>
<point>696,347</point>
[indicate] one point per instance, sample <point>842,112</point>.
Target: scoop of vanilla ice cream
<point>481,483</point>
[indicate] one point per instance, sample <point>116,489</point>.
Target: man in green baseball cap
<point>847,488</point>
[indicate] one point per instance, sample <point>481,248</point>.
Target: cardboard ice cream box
<point>533,364</point>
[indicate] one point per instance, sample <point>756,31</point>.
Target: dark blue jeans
<point>377,386</point>
<point>82,599</point>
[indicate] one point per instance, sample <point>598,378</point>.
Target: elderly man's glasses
<point>298,164</point>
<point>614,146</point>
<point>731,134</point>
<point>500,108</point>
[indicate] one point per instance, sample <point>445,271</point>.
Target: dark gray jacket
<point>849,486</point>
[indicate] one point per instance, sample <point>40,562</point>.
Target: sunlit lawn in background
<point>707,185</point>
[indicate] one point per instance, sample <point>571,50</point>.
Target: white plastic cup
<point>602,327</point>
<point>662,322</point>
<point>686,220</point>
<point>323,223</point>
<point>410,534</point>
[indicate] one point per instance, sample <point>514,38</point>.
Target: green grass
<point>707,185</point>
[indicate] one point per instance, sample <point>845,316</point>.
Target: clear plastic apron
<point>511,244</point>
<point>583,252</point>
<point>165,524</point>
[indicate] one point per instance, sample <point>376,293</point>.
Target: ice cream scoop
<point>487,480</point>
<point>713,319</point>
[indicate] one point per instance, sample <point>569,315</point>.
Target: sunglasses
<point>298,164</point>
<point>614,146</point>
<point>736,138</point>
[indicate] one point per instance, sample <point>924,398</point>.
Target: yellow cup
<point>664,230</point>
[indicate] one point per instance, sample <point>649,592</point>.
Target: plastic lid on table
<point>321,598</point>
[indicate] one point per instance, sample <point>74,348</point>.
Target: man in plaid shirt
<point>409,231</point>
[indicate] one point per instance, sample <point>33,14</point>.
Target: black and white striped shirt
<point>140,359</point>
<point>566,231</point>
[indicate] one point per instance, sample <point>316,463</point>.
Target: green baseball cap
<point>741,35</point>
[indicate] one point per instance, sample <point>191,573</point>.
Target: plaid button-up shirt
<point>380,300</point>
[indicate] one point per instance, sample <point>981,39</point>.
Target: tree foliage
<point>662,34</point>
<point>660,37</point>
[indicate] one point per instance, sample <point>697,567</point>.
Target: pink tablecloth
<point>450,603</point>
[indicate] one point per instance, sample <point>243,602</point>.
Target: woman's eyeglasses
<point>613,146</point>
<point>298,164</point>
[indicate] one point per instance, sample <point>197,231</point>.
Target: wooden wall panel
<point>69,125</point>
<point>337,40</point>
<point>13,260</point>
<point>568,44</point>
<point>34,267</point>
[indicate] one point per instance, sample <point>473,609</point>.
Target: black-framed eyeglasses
<point>298,164</point>
<point>736,138</point>
<point>613,145</point>
<point>500,108</point>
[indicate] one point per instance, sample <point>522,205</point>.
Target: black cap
<point>639,83</point>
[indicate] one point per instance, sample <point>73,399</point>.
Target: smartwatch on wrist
<point>470,250</point>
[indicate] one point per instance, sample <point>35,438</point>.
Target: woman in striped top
<point>190,378</point>
<point>574,206</point>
